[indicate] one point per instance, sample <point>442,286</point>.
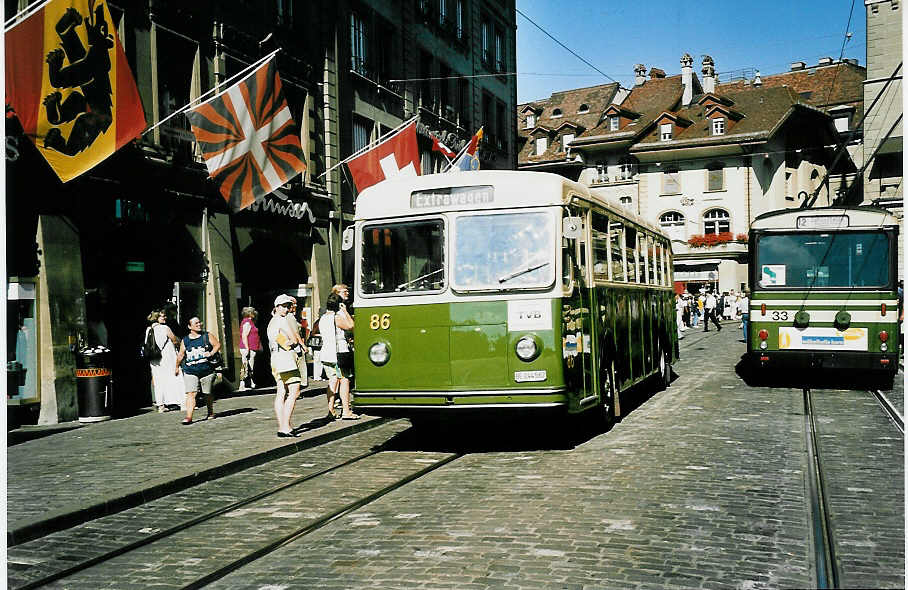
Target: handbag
<point>216,361</point>
<point>283,360</point>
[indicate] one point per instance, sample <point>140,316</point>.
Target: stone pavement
<point>75,475</point>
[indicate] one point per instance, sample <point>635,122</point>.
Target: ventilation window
<point>556,113</point>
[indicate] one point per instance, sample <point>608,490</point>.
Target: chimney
<point>639,74</point>
<point>709,74</point>
<point>825,61</point>
<point>758,81</point>
<point>797,65</point>
<point>687,78</point>
<point>656,73</point>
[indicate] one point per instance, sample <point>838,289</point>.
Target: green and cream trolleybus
<point>824,291</point>
<point>499,290</point>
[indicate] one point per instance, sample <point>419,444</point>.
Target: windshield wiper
<point>518,273</point>
<point>402,286</point>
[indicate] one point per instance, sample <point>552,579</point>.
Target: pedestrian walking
<point>283,345</point>
<point>744,310</point>
<point>250,346</point>
<point>196,349</point>
<point>334,347</point>
<point>167,386</point>
<point>709,307</point>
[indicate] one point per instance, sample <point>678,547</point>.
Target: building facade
<point>699,158</point>
<point>89,259</point>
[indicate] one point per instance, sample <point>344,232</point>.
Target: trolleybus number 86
<point>383,321</point>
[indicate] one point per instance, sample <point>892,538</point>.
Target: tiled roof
<point>818,86</point>
<point>763,110</point>
<point>649,99</point>
<point>595,99</point>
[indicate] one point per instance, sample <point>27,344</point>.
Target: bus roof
<point>858,217</point>
<point>392,198</point>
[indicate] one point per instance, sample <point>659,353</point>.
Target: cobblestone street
<point>699,486</point>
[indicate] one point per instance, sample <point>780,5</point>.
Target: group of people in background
<point>186,367</point>
<point>707,307</point>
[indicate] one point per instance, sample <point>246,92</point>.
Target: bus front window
<point>844,259</point>
<point>504,251</point>
<point>403,257</point>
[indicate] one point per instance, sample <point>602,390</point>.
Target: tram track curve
<point>249,503</point>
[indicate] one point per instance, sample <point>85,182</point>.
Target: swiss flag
<point>397,155</point>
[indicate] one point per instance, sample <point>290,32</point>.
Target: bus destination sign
<point>823,222</point>
<point>455,196</point>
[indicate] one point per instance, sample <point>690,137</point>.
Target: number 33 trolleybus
<point>824,291</point>
<point>500,290</point>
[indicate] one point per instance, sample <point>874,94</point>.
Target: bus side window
<point>657,260</point>
<point>651,261</point>
<point>616,250</point>
<point>630,249</point>
<point>600,247</point>
<point>643,265</point>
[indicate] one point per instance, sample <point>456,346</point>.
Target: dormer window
<point>719,126</point>
<point>613,122</point>
<point>542,144</point>
<point>665,131</point>
<point>531,121</point>
<point>584,108</point>
<point>556,113</point>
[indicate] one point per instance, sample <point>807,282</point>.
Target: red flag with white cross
<point>396,156</point>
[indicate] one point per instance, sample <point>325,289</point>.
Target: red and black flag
<point>249,141</point>
<point>70,85</point>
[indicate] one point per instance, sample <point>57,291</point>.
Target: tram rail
<point>891,411</point>
<point>823,545</point>
<point>246,502</point>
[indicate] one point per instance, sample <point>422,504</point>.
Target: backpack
<point>150,350</point>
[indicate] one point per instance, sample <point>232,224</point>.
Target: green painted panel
<point>479,356</point>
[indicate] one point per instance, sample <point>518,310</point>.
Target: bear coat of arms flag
<point>468,160</point>
<point>397,155</point>
<point>249,141</point>
<point>69,83</point>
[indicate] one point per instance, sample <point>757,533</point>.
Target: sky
<point>613,36</point>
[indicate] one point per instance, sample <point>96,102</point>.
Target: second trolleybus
<point>824,292</point>
<point>500,290</point>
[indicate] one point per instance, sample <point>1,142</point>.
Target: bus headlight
<point>379,353</point>
<point>526,349</point>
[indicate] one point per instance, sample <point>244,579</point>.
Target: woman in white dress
<point>167,387</point>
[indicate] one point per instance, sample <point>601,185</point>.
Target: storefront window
<point>21,343</point>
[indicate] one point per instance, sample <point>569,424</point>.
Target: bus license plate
<point>524,376</point>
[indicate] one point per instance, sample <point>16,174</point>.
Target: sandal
<point>351,417</point>
<point>210,416</point>
<point>186,421</point>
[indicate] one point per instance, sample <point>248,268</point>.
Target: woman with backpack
<point>161,353</point>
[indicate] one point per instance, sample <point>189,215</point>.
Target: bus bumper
<point>806,359</point>
<point>387,403</point>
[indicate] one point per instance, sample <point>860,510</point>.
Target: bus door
<point>576,326</point>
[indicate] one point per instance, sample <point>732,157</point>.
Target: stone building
<point>87,260</point>
<point>699,158</point>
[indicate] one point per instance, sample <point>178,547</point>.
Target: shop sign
<point>278,203</point>
<point>135,266</point>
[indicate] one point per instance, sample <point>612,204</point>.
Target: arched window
<point>626,201</point>
<point>584,108</point>
<point>556,113</point>
<point>672,223</point>
<point>716,221</point>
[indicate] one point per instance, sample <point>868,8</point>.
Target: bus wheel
<point>606,409</point>
<point>665,369</point>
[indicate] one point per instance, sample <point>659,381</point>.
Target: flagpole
<point>460,153</point>
<point>217,87</point>
<point>384,137</point>
<point>22,15</point>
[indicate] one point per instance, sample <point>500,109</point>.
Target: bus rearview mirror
<point>572,227</point>
<point>347,241</point>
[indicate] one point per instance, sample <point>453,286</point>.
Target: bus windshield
<point>845,259</point>
<point>503,251</point>
<point>403,257</point>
